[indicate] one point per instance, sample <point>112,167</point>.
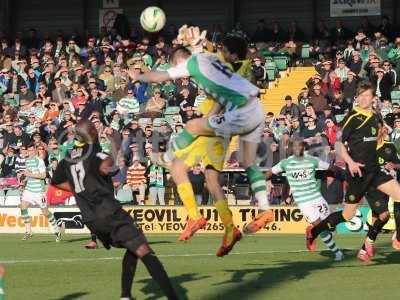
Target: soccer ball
<point>152,19</point>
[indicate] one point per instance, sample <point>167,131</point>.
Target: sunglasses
<point>386,65</point>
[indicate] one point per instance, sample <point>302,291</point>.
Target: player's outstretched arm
<point>150,77</point>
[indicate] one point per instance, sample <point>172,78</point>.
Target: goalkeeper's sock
<point>327,238</point>
<point>258,186</point>
<point>129,264</point>
<point>159,275</point>
<point>329,224</point>
<point>186,193</point>
<point>396,212</point>
<point>26,219</point>
<point>182,140</point>
<point>226,217</point>
<point>52,222</point>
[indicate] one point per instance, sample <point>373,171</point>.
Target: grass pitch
<point>260,267</point>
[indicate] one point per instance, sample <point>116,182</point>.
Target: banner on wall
<point>355,8</point>
<point>172,219</point>
<point>155,219</point>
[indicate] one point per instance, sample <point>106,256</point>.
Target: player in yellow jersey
<point>210,151</point>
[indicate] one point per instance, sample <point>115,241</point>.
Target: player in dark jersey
<point>86,171</point>
<point>388,162</point>
<point>357,147</point>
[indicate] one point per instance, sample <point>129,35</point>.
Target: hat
<point>327,62</point>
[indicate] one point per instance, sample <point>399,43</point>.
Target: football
<point>152,19</point>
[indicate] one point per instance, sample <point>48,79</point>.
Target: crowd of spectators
<point>47,85</point>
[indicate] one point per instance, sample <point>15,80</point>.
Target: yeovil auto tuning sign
<point>350,8</point>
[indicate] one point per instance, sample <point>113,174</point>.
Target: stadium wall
<point>83,15</point>
<point>171,220</point>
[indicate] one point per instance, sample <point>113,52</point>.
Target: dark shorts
<point>377,200</point>
<point>116,230</point>
<point>359,186</point>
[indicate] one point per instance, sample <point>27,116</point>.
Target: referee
<point>357,147</point>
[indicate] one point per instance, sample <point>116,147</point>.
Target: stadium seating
<point>395,95</point>
<point>172,110</point>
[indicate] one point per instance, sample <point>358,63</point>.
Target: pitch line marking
<point>66,260</point>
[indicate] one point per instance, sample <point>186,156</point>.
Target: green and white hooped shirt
<point>216,79</point>
<point>36,166</point>
<point>300,174</point>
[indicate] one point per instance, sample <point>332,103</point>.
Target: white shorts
<point>246,121</point>
<point>34,198</point>
<point>314,210</point>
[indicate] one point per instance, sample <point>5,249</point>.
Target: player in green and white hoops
<point>33,193</point>
<point>237,111</point>
<point>300,172</point>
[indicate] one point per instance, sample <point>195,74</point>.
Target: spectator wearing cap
<point>341,70</point>
<point>136,180</point>
<point>79,96</point>
<point>64,77</point>
<point>324,68</point>
<point>59,93</point>
<point>317,99</point>
<point>290,108</point>
<point>108,79</point>
<point>383,84</point>
<point>156,103</point>
<point>121,91</point>
<point>128,105</point>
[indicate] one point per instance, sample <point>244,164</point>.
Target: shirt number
<point>78,175</point>
<point>222,68</point>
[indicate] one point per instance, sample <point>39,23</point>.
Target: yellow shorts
<point>209,151</point>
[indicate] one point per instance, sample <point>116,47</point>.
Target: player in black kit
<point>388,162</point>
<point>357,147</point>
<point>86,171</point>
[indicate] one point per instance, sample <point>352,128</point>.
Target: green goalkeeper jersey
<point>229,89</point>
<point>300,173</point>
